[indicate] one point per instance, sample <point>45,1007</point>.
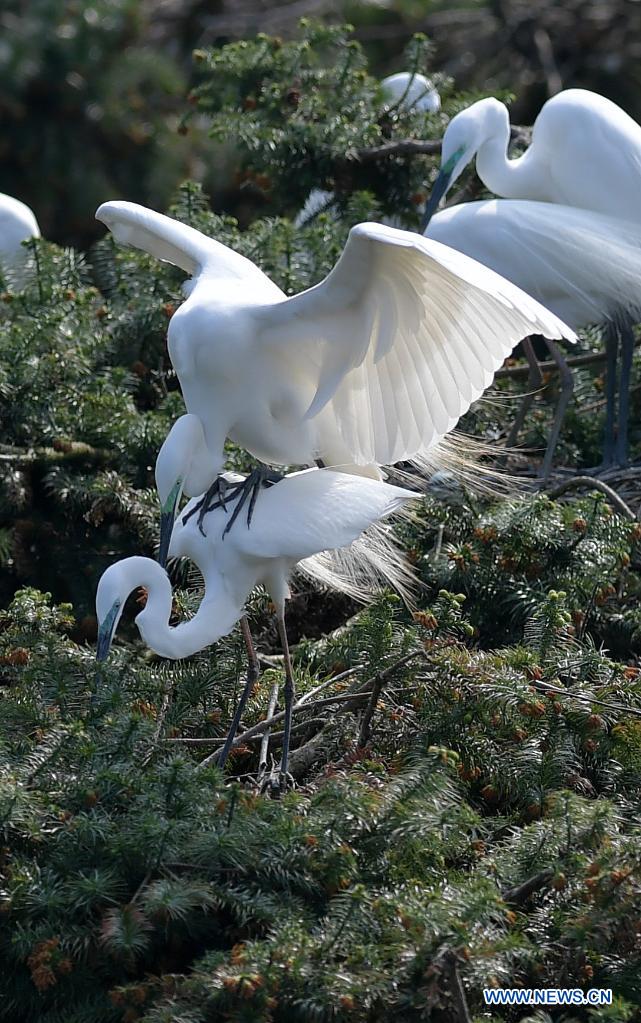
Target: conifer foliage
<point>466,813</point>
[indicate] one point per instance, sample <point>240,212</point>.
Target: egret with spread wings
<point>372,366</point>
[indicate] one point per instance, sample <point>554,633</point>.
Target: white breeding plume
<point>584,266</point>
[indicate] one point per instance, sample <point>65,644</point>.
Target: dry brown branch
<point>581,482</point>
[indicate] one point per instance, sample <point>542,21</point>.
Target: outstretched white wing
<point>177,243</point>
<point>403,335</point>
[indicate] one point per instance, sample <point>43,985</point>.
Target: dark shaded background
<point>92,91</point>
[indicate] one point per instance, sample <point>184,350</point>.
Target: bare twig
<point>264,742</point>
<point>521,892</point>
<point>348,699</point>
<point>329,682</point>
<point>549,365</point>
<point>580,482</point>
<point>457,991</point>
<point>415,147</point>
<point>586,698</point>
<point>365,731</point>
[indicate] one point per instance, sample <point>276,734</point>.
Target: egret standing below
<point>301,516</point>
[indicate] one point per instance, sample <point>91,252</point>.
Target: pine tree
<point>468,771</point>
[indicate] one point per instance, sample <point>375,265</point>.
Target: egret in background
<point>586,153</point>
<point>403,91</point>
<point>303,515</point>
<point>17,225</point>
<point>372,366</point>
<point>584,266</point>
<point>411,91</point>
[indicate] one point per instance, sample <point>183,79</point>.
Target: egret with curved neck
<point>585,151</point>
<point>300,517</point>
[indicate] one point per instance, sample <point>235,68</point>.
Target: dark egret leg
<point>626,335</point>
<point>567,390</point>
<point>252,677</point>
<point>534,384</point>
<point>611,359</point>
<point>290,693</point>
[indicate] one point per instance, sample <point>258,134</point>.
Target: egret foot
<point>276,784</point>
<point>221,492</point>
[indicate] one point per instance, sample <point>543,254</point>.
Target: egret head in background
<point>411,91</point>
<point>465,135</point>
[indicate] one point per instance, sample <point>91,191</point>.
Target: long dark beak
<point>166,527</point>
<point>105,637</point>
<point>167,519</point>
<point>441,186</point>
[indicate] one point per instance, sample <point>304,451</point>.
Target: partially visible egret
<point>17,225</point>
<point>585,151</point>
<point>584,266</point>
<point>405,90</point>
<point>303,515</point>
<point>411,91</point>
<point>372,366</point>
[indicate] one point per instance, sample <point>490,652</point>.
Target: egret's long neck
<point>218,613</point>
<point>510,179</point>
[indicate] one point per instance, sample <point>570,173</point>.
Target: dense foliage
<point>468,771</point>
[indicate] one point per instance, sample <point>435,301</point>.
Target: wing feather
<point>410,333</point>
<point>177,243</point>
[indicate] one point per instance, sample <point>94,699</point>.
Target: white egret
<point>585,151</point>
<point>372,366</point>
<point>584,266</point>
<point>17,224</point>
<point>411,91</point>
<point>303,515</point>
